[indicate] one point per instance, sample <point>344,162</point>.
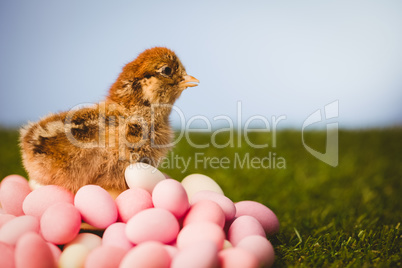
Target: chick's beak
<point>189,82</point>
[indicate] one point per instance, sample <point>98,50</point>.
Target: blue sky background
<point>278,58</point>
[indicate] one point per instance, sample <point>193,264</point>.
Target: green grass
<point>344,216</point>
<point>10,157</point>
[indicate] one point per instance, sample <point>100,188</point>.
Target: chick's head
<point>156,76</point>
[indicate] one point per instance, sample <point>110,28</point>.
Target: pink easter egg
<point>147,254</point>
<point>14,229</point>
<point>170,195</point>
<point>105,257</point>
<point>260,247</point>
<point>143,176</point>
<point>40,199</point>
<point>88,240</point>
<point>96,206</point>
<point>205,210</point>
<point>154,224</point>
<point>200,231</point>
<point>115,235</point>
<point>60,223</point>
<point>7,259</point>
<point>14,177</point>
<point>198,255</point>
<point>5,218</point>
<point>12,195</point>
<point>225,203</point>
<point>244,226</point>
<point>263,214</point>
<point>56,251</point>
<point>32,251</point>
<point>132,201</point>
<point>237,258</point>
<point>172,250</point>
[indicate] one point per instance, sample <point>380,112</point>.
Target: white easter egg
<point>195,183</point>
<point>73,256</point>
<point>143,176</point>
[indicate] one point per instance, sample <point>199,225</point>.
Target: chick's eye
<point>166,70</point>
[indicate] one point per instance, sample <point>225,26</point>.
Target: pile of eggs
<point>157,222</point>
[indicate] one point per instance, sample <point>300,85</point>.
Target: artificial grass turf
<point>344,216</point>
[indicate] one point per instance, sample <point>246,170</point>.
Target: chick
<point>94,145</point>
